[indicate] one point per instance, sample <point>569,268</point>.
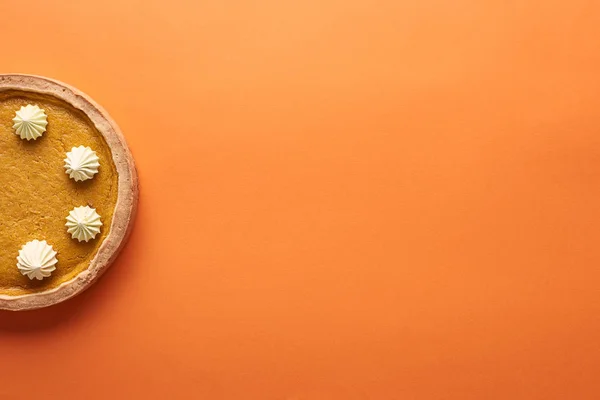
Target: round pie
<point>68,192</point>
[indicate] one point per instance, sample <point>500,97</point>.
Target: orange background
<point>357,199</point>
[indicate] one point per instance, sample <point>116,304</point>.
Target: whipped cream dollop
<point>30,122</point>
<point>83,223</point>
<point>81,163</point>
<point>37,260</point>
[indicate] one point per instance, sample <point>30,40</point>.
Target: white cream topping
<point>83,223</point>
<point>81,163</point>
<point>37,260</point>
<point>30,122</point>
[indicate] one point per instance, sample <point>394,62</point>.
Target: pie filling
<point>36,195</point>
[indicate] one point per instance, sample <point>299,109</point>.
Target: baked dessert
<point>68,192</point>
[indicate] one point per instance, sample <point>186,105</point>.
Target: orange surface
<point>359,199</point>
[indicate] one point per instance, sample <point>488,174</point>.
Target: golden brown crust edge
<point>127,200</point>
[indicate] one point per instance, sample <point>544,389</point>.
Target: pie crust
<point>127,197</point>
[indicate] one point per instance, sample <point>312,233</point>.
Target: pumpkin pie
<point>68,192</point>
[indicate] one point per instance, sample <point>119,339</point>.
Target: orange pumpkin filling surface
<point>36,194</point>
